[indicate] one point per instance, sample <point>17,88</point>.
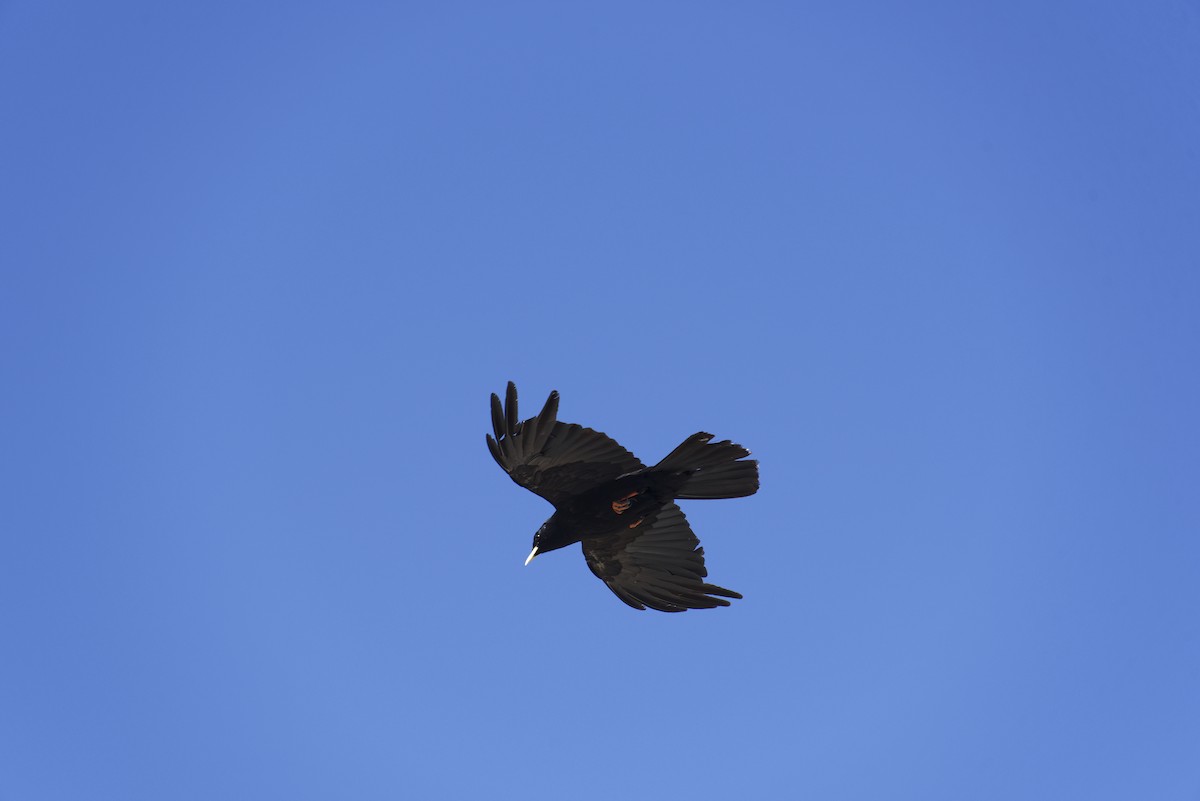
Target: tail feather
<point>714,469</point>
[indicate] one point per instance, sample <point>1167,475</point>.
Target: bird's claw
<point>621,505</point>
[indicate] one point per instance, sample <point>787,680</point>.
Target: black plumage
<point>635,538</point>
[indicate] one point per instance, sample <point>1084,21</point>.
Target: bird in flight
<point>635,538</point>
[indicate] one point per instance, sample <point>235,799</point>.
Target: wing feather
<point>659,565</point>
<point>555,460</point>
<point>510,406</point>
<point>497,418</point>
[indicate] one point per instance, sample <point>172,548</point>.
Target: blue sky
<point>936,265</point>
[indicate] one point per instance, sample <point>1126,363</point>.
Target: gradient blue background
<point>938,265</point>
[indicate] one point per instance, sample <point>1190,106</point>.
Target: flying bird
<point>635,538</point>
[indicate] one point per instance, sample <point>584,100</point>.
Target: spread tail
<point>714,469</point>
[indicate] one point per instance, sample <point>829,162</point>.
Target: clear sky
<point>936,264</point>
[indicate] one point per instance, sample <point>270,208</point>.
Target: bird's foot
<point>621,505</point>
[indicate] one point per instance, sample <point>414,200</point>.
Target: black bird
<point>635,539</point>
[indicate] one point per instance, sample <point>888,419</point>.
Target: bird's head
<point>550,537</point>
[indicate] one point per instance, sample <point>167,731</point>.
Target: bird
<point>634,536</point>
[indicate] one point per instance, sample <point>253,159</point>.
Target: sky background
<point>936,264</point>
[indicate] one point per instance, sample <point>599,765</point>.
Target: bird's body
<point>623,502</point>
<point>635,538</point>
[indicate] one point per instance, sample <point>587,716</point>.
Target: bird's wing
<point>659,564</point>
<point>555,460</point>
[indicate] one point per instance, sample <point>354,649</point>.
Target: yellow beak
<point>532,554</point>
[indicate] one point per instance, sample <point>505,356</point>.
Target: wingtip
<point>549,412</point>
<point>510,409</point>
<point>494,449</point>
<point>497,417</point>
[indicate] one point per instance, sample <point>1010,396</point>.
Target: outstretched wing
<point>556,460</point>
<point>658,564</point>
